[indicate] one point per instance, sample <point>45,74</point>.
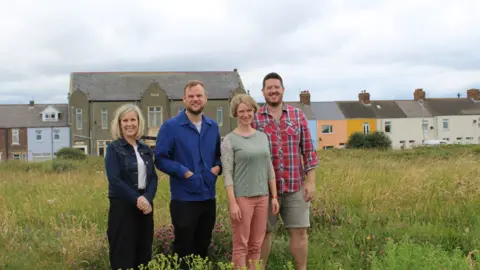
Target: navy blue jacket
<point>181,148</point>
<point>122,171</point>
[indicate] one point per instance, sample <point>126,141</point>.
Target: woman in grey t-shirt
<point>248,176</point>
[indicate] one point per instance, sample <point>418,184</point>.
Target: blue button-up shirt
<point>181,148</point>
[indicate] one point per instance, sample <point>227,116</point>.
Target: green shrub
<point>375,140</point>
<point>71,154</point>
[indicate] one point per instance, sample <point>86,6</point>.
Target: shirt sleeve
<point>227,157</point>
<point>310,159</point>
<point>271,169</point>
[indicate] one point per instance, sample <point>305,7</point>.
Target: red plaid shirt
<point>290,142</point>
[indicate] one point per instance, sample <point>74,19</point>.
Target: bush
<point>71,154</point>
<point>374,140</point>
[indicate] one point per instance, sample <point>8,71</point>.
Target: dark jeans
<point>130,235</point>
<point>193,224</point>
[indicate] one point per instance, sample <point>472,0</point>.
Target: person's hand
<point>215,170</point>
<point>308,190</point>
<point>275,206</point>
<point>234,212</point>
<point>148,210</point>
<point>188,174</point>
<point>143,204</point>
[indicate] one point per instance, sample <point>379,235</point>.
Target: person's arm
<point>164,153</point>
<point>152,187</point>
<point>228,163</point>
<point>218,154</point>
<point>112,169</point>
<point>308,151</point>
<point>272,183</point>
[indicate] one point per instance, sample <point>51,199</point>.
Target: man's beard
<point>195,112</point>
<point>274,104</point>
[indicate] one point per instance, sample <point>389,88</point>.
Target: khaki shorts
<point>294,211</point>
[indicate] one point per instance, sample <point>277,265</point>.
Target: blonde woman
<point>248,175</point>
<point>132,184</point>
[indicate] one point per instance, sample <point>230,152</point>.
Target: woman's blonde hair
<point>242,98</point>
<point>119,113</point>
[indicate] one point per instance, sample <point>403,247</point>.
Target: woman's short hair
<point>116,129</point>
<point>242,98</point>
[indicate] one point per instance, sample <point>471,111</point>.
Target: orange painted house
<point>331,125</point>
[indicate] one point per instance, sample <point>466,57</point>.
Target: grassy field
<point>415,209</point>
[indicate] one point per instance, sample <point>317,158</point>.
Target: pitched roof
<point>387,109</point>
<point>131,85</point>
<point>25,116</point>
<point>327,111</point>
<point>355,109</point>
<point>452,106</point>
<point>413,109</point>
<point>306,109</point>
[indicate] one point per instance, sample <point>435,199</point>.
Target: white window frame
<point>38,132</point>
<point>104,118</point>
<point>1,153</point>
<point>389,124</point>
<point>329,127</point>
<point>220,116</point>
<point>56,132</point>
<point>79,119</point>
<point>102,144</point>
<point>15,136</point>
<point>15,158</point>
<point>366,128</point>
<point>425,126</point>
<point>155,116</point>
<point>443,124</point>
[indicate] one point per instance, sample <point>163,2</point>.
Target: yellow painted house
<point>364,125</point>
<point>359,114</point>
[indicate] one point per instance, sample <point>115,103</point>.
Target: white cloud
<point>333,48</point>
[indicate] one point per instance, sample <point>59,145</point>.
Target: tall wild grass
<point>412,209</point>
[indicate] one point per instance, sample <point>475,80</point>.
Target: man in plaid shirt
<point>294,159</point>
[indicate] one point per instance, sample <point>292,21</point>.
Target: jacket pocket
<point>193,184</point>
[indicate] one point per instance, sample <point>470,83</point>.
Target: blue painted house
<point>47,130</point>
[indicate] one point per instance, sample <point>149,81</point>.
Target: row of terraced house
<point>34,132</point>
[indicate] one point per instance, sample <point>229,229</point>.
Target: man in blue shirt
<point>188,150</point>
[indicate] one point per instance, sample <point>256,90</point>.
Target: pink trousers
<point>248,233</point>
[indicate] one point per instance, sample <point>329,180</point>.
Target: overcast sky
<point>333,48</point>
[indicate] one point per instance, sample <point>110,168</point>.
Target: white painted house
<point>457,120</point>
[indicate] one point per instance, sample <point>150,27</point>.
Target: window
<point>39,135</point>
<point>155,116</point>
<point>342,145</point>
<point>366,128</point>
<point>104,118</point>
<point>56,134</point>
<point>388,126</point>
<point>16,156</point>
<point>79,119</point>
<point>102,147</point>
<point>327,129</point>
<point>15,136</point>
<point>220,116</point>
<point>425,125</point>
<point>328,147</point>
<point>445,124</point>
<point>1,155</point>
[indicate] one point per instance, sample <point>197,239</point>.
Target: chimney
<point>473,94</point>
<point>364,97</point>
<point>235,70</point>
<point>32,103</point>
<point>419,94</point>
<point>305,97</point>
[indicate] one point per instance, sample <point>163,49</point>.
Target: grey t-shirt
<point>247,163</point>
<point>198,126</point>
